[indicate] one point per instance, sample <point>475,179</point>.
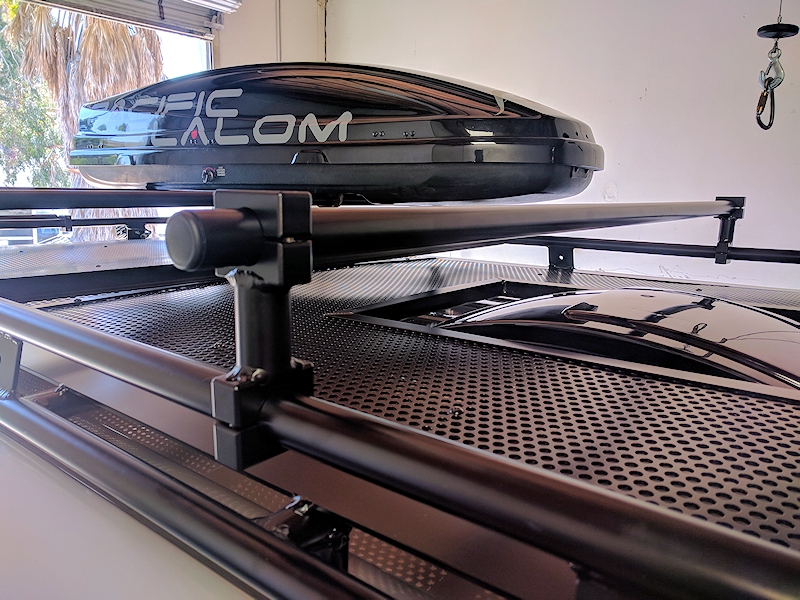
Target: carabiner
<point>768,93</point>
<point>774,65</point>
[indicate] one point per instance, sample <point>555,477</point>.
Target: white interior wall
<point>249,35</point>
<point>669,88</point>
<point>264,31</point>
<point>62,540</point>
<point>302,30</point>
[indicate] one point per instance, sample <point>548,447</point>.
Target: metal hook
<point>770,83</point>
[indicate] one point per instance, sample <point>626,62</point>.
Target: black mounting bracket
<point>561,257</point>
<point>312,529</point>
<point>260,242</point>
<point>137,233</point>
<point>237,397</point>
<point>727,222</point>
<point>240,441</point>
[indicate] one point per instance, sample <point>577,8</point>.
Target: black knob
<point>203,239</point>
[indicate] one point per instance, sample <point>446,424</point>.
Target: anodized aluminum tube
<point>348,234</point>
<point>178,379</point>
<point>625,540</point>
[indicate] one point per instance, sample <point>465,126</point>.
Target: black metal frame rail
<point>50,198</point>
<point>242,552</point>
<point>67,222</point>
<point>609,534</point>
<point>557,245</point>
<point>168,375</point>
<point>560,248</point>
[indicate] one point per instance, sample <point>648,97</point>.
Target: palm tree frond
<point>18,19</point>
<point>81,58</point>
<point>40,49</point>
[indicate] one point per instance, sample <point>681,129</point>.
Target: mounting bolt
<point>209,174</point>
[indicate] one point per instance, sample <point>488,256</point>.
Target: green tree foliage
<point>29,138</point>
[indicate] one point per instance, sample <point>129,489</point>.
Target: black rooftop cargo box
<point>338,131</point>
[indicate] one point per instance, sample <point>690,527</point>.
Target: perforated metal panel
<point>421,578</point>
<point>195,322</point>
<point>58,259</point>
<point>389,559</point>
<point>730,459</point>
<point>234,490</point>
<point>30,384</point>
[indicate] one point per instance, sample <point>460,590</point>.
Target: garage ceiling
<point>199,18</point>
